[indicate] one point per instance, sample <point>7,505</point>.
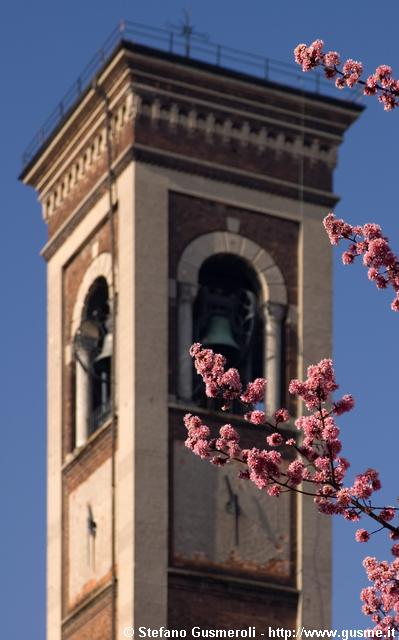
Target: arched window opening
<point>93,353</point>
<point>227,318</point>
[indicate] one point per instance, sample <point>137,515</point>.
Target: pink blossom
<point>347,257</point>
<point>378,253</point>
<point>388,100</point>
<point>212,389</point>
<point>372,231</point>
<point>275,440</point>
<point>332,59</point>
<point>233,449</point>
<point>232,383</point>
<point>274,490</point>
<point>344,405</point>
<point>387,514</point>
<point>375,249</point>
<point>343,497</point>
<point>195,427</point>
<point>340,470</point>
<point>228,433</point>
<point>383,73</point>
<point>365,483</point>
<point>327,491</point>
<point>295,472</point>
<point>309,57</point>
<point>320,446</point>
<point>281,415</point>
<point>380,84</point>
<point>336,228</point>
<point>300,52</point>
<point>263,466</point>
<point>325,506</point>
<point>296,387</point>
<point>201,448</point>
<point>256,417</point>
<point>330,430</point>
<point>372,273</point>
<point>373,477</point>
<point>361,488</point>
<point>369,596</point>
<point>362,535</point>
<point>307,451</point>
<point>210,366</point>
<point>319,384</point>
<point>254,392</point>
<point>195,349</point>
<point>310,426</point>
<point>228,445</point>
<point>371,88</point>
<point>352,71</point>
<point>351,514</point>
<point>323,464</point>
<point>381,600</point>
<point>192,422</point>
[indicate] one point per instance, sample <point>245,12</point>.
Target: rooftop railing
<point>189,45</point>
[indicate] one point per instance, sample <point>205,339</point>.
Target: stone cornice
<point>231,124</point>
<point>88,157</point>
<point>75,159</point>
<point>174,114</point>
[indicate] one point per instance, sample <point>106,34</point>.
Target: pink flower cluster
<point>198,436</point>
<point>218,382</point>
<point>383,81</point>
<point>221,383</point>
<point>255,391</point>
<point>319,464</point>
<point>217,450</point>
<point>313,56</point>
<point>367,241</point>
<point>380,83</point>
<point>381,601</point>
<point>310,56</point>
<point>318,386</point>
<point>263,466</point>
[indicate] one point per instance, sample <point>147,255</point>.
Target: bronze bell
<point>219,335</point>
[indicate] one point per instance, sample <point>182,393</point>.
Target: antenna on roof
<point>186,30</point>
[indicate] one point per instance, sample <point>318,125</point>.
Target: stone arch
<point>101,266</point>
<point>271,279</point>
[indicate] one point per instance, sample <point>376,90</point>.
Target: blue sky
<point>44,46</point>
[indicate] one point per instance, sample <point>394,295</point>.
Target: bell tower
<point>184,203</point>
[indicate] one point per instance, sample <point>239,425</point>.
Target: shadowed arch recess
<point>273,287</point>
